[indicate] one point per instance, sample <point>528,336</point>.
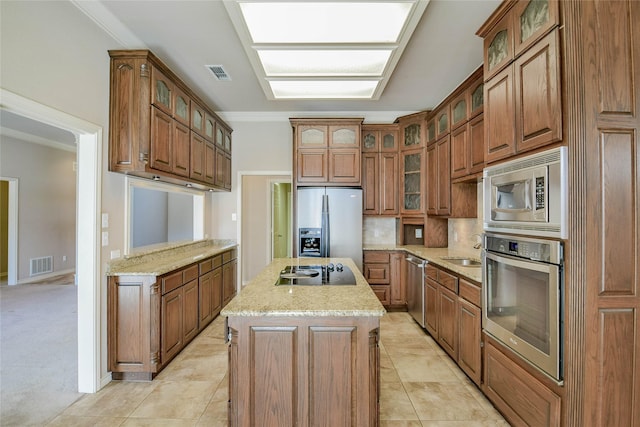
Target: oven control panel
<point>549,251</point>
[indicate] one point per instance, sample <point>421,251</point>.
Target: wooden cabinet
<point>522,79</point>
<point>380,174</point>
<point>413,182</point>
<point>470,330</point>
<point>453,318</point>
<point>382,270</point>
<point>520,396</point>
<point>447,199</point>
<point>150,319</point>
<point>327,151</point>
<point>467,134</point>
<point>157,125</point>
<point>307,371</point>
<point>210,288</point>
<point>537,95</point>
<point>229,276</point>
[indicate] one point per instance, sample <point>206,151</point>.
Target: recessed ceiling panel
<point>324,62</point>
<point>325,22</point>
<point>323,89</point>
<point>295,45</point>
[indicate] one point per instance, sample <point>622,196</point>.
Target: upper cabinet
<point>380,175</point>
<point>522,92</point>
<point>412,164</point>
<point>158,128</point>
<point>327,151</point>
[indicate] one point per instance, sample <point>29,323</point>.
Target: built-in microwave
<point>528,195</point>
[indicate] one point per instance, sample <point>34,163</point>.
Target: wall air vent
<point>219,72</point>
<point>40,265</point>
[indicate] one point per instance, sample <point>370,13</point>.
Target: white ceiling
<point>187,35</point>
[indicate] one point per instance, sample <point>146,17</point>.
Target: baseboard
<point>106,379</point>
<point>44,276</point>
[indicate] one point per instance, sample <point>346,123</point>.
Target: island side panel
<point>304,371</point>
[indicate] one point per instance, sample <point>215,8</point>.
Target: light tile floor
<point>420,387</point>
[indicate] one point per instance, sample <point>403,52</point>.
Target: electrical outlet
<point>105,220</point>
<point>115,254</point>
<point>234,217</point>
<point>64,258</point>
<point>105,238</point>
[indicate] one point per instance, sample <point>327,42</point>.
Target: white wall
<point>46,202</point>
<point>257,146</point>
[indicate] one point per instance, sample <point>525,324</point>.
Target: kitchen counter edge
<point>435,255</point>
<point>162,261</point>
<point>261,297</point>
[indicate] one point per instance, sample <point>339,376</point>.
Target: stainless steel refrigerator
<point>337,212</point>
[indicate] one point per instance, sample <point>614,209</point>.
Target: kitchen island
<point>304,355</point>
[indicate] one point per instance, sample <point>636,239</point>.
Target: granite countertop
<point>261,297</point>
<point>156,262</point>
<point>436,255</point>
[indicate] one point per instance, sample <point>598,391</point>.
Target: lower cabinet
<point>453,318</point>
<point>383,272</point>
<point>229,279</point>
<point>150,319</point>
<point>304,371</point>
<point>521,397</point>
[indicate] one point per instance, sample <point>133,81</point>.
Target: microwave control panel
<point>540,192</point>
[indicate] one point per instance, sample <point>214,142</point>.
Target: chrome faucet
<point>478,245</point>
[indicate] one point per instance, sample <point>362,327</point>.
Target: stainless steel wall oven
<point>523,298</point>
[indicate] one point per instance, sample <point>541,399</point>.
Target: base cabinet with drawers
<point>151,319</point>
<point>453,318</point>
<point>383,271</point>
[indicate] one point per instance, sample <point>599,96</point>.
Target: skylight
<point>324,49</point>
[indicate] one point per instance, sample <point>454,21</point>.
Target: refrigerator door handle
<point>325,249</point>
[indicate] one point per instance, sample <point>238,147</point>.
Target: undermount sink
<point>463,262</point>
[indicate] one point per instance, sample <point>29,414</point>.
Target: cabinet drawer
<point>376,257</point>
<point>447,280</point>
<point>383,293</point>
<point>470,292</point>
<point>217,261</point>
<point>431,272</point>
<point>189,274</point>
<point>377,274</point>
<point>518,395</point>
<point>171,282</point>
<point>206,266</point>
<point>228,256</point>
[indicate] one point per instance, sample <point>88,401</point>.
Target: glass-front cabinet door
<point>412,135</point>
<point>370,141</point>
<point>161,91</point>
<point>532,20</point>
<point>412,181</point>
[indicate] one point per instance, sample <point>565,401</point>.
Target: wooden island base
<point>303,371</point>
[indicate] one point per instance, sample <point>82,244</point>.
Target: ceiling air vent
<point>219,72</point>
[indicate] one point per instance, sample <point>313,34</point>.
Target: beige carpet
<point>38,351</point>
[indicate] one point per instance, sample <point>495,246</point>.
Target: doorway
<point>281,200</point>
<point>260,220</point>
<point>89,172</point>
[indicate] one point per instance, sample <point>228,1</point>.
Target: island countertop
<point>261,297</point>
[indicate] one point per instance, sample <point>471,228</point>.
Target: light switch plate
<point>105,238</point>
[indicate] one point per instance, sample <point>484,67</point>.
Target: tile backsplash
<point>378,231</point>
<point>464,233</point>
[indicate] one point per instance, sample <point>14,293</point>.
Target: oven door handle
<point>518,262</point>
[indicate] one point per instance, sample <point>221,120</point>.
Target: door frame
<point>12,230</point>
<point>240,175</point>
<point>88,249</point>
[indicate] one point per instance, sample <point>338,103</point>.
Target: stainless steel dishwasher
<point>415,288</point>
